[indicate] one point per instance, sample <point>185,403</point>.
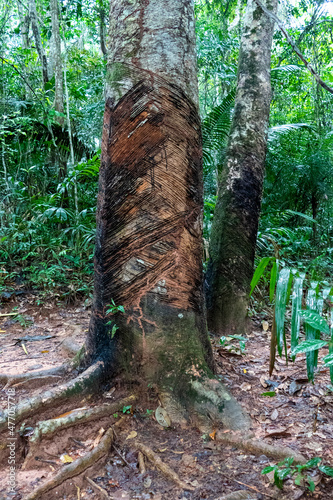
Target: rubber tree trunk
<point>235,225</point>
<point>38,40</point>
<point>149,220</point>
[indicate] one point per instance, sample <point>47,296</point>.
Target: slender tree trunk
<point>56,43</point>
<point>24,25</point>
<point>149,222</point>
<point>235,225</point>
<point>102,31</point>
<point>38,40</point>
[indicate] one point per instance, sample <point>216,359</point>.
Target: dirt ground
<point>295,414</point>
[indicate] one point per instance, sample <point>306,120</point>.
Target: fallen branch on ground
<point>76,467</point>
<point>159,464</point>
<point>259,447</point>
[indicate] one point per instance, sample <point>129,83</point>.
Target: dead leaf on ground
<point>245,386</point>
<point>294,387</point>
<point>263,382</point>
<point>265,326</point>
<point>278,432</point>
<point>66,459</point>
<point>314,446</point>
<point>132,435</point>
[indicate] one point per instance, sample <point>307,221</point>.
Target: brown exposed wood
<point>149,242</point>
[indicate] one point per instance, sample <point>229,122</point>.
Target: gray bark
<point>235,225</point>
<point>56,46</point>
<point>157,39</point>
<point>102,32</point>
<point>24,25</point>
<point>38,40</point>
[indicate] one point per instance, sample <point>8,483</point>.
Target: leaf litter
<point>212,469</point>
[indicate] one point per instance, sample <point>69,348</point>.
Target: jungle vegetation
<point>50,151</point>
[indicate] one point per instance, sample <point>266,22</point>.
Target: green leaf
<point>272,283</point>
<point>280,308</point>
<point>113,331</point>
<point>288,461</point>
<point>311,463</point>
<point>326,470</point>
<point>277,480</point>
<point>268,469</point>
<point>283,473</point>
<point>296,307</point>
<point>259,272</point>
<point>328,360</point>
<point>238,337</point>
<point>309,345</point>
<point>311,485</point>
<point>299,479</point>
<point>313,319</point>
<point>269,394</point>
<point>310,331</point>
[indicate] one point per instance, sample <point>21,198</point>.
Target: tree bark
<point>38,40</point>
<point>24,25</point>
<point>101,13</point>
<point>149,221</point>
<point>56,45</point>
<point>235,225</point>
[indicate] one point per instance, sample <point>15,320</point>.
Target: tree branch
<point>294,47</point>
<point>25,81</point>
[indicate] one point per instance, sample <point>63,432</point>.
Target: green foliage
<point>286,469</point>
<point>113,309</point>
<point>314,323</point>
<point>227,342</point>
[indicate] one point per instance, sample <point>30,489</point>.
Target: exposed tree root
<point>211,406</point>
<point>159,464</point>
<point>59,371</point>
<point>85,381</point>
<point>76,467</point>
<point>141,461</point>
<point>220,406</point>
<point>47,428</point>
<point>259,447</point>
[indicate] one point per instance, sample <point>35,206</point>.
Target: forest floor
<point>295,414</point>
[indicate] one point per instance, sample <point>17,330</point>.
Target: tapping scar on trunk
<point>151,211</point>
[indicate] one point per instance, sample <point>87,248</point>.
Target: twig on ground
<point>121,456</point>
<point>97,487</point>
<point>159,464</point>
<point>75,468</point>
